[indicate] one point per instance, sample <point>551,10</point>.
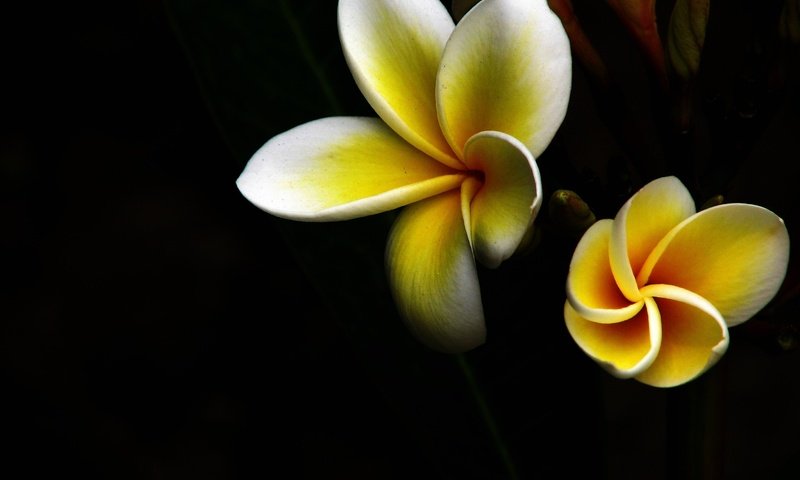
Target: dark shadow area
<point>156,325</point>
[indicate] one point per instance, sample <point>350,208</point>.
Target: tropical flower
<point>651,294</point>
<point>464,111</point>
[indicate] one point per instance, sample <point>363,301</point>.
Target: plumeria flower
<point>464,111</point>
<point>651,293</point>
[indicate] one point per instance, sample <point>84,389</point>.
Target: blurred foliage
<point>687,32</point>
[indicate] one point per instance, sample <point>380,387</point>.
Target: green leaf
<point>686,35</point>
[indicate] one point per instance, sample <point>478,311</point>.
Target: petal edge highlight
<point>591,287</point>
<point>641,223</point>
<point>694,338</point>
<point>624,349</point>
<point>509,199</point>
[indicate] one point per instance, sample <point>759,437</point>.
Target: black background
<point>157,325</point>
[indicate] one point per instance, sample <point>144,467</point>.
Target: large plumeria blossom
<point>464,111</point>
<point>651,293</point>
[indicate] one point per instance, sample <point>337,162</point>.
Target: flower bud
<point>713,202</point>
<point>568,211</point>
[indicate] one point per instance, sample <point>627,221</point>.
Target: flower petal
<point>626,348</point>
<point>507,203</point>
<point>694,337</point>
<point>393,49</point>
<point>433,276</point>
<point>733,255</point>
<point>507,67</point>
<point>339,168</point>
<point>591,288</point>
<point>641,223</point>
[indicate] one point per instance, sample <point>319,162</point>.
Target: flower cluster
<point>464,111</point>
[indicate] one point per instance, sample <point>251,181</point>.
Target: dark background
<point>157,325</point>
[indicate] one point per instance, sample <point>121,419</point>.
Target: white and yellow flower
<point>651,293</point>
<point>464,111</point>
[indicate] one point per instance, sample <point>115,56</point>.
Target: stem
<point>486,414</point>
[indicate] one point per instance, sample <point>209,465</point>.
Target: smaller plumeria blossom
<point>651,293</point>
<point>464,111</point>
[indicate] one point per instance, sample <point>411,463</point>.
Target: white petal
<point>509,199</point>
<point>393,49</point>
<point>339,168</point>
<point>433,276</point>
<point>507,67</point>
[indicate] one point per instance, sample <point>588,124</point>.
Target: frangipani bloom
<point>464,111</point>
<point>651,294</point>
